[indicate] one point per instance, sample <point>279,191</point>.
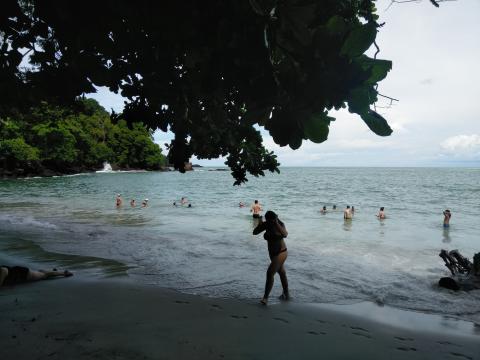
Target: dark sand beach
<point>105,319</point>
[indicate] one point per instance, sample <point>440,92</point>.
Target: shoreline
<point>96,269</point>
<point>78,318</point>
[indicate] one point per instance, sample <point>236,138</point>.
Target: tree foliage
<point>62,140</point>
<point>207,70</point>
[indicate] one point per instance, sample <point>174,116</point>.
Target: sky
<point>435,77</point>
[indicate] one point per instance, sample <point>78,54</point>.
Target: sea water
<point>209,249</point>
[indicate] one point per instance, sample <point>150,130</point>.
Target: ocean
<point>209,249</point>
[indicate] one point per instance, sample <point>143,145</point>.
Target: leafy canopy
<point>207,70</point>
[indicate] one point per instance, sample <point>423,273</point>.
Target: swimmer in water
<point>381,214</point>
<point>256,209</point>
<point>145,203</point>
<point>324,210</point>
<point>132,203</point>
<point>183,200</point>
<point>347,213</point>
<point>446,220</point>
<point>118,200</point>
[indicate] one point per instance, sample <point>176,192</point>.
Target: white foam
<point>107,168</point>
<point>27,221</point>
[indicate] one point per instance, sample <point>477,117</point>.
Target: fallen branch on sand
<point>465,274</point>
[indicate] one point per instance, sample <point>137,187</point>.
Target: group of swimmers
<point>348,212</point>
<point>183,201</point>
<point>119,202</point>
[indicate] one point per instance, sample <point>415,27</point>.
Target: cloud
<point>398,127</point>
<point>428,81</point>
<point>462,144</point>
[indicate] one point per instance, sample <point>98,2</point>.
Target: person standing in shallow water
<point>381,214</point>
<point>256,209</point>
<point>446,220</point>
<point>275,232</point>
<point>347,213</point>
<point>118,201</point>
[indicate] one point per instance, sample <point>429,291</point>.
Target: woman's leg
<point>283,279</point>
<point>275,266</point>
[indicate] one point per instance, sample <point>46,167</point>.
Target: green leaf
<point>376,123</point>
<point>379,71</point>
<point>359,100</point>
<point>295,143</point>
<point>336,25</point>
<point>257,116</point>
<point>359,40</point>
<point>316,127</point>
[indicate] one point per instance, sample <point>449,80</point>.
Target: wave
<point>27,221</point>
<point>119,171</point>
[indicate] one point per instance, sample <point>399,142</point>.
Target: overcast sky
<point>436,77</point>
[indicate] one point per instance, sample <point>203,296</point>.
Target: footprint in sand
<point>406,348</point>
<point>359,331</point>
<point>239,316</point>
<point>358,328</point>
<point>403,339</point>
<point>181,302</point>
<point>461,356</point>
<point>282,320</point>
<point>362,335</point>
<point>448,343</point>
<point>316,333</point>
<point>216,306</point>
<point>323,321</point>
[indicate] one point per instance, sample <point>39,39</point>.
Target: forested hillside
<point>50,140</point>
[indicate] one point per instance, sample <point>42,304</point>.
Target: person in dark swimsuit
<point>13,275</point>
<point>275,232</point>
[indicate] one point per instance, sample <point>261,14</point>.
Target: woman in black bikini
<point>275,231</point>
<point>12,275</point>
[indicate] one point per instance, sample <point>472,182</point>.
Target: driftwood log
<point>465,274</point>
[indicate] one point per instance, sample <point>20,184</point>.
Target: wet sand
<point>104,319</point>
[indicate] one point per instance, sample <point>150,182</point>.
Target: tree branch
<point>434,2</point>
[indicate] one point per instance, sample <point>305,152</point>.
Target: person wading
<point>275,232</point>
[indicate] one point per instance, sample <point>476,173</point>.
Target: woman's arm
<point>260,227</point>
<point>281,228</point>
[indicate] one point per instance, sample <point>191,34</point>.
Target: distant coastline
<point>46,173</point>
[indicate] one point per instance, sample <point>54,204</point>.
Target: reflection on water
<point>347,224</point>
<point>446,236</point>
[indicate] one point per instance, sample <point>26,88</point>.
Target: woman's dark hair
<point>381,209</point>
<point>270,215</point>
